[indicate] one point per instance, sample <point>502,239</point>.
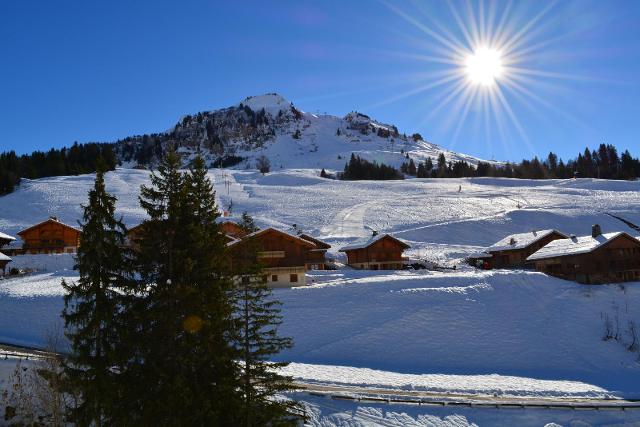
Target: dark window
<point>245,280</point>
<point>274,277</point>
<point>293,278</point>
<point>264,278</point>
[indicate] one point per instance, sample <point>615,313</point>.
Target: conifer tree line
<point>168,330</point>
<point>358,169</point>
<point>603,163</point>
<point>75,160</point>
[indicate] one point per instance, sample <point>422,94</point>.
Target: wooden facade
<point>616,260</point>
<point>281,256</point>
<point>50,236</point>
<point>233,229</point>
<point>379,253</point>
<point>317,257</point>
<point>517,257</point>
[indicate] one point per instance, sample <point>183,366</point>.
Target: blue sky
<point>99,71</point>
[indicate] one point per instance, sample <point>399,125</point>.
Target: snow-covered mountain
<point>290,138</point>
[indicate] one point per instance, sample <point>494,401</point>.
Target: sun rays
<point>486,62</point>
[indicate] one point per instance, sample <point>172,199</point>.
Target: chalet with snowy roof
<point>49,237</point>
<point>317,257</point>
<point>5,239</point>
<point>380,252</point>
<point>281,256</point>
<point>513,250</point>
<point>4,260</point>
<point>594,259</point>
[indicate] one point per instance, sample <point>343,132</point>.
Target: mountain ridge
<point>272,126</point>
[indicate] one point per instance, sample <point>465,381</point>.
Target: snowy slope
<point>408,326</point>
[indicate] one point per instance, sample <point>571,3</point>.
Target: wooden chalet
<point>598,258</point>
<point>316,258</point>
<point>5,239</point>
<point>380,252</point>
<point>281,256</point>
<point>233,229</point>
<point>513,250</point>
<point>50,237</point>
<point>4,260</point>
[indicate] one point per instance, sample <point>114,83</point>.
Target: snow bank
<point>44,263</point>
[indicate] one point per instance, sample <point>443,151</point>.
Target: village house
<point>49,237</point>
<point>317,257</point>
<point>513,250</point>
<point>4,260</point>
<point>380,252</point>
<point>282,256</point>
<point>5,239</point>
<point>594,259</point>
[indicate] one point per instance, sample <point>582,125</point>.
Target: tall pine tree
<point>258,317</point>
<point>188,374</point>
<point>92,307</point>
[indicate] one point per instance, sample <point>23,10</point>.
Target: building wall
<point>280,257</point>
<point>51,237</point>
<point>285,277</point>
<point>385,254</point>
<point>518,257</point>
<point>316,259</point>
<point>617,261</point>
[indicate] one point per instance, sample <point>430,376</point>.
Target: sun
<point>484,66</point>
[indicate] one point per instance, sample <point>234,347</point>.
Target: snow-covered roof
<point>521,240</point>
<point>361,244</point>
<point>319,243</point>
<point>6,237</point>
<point>3,257</point>
<point>480,255</point>
<point>51,219</point>
<point>265,230</point>
<point>575,245</point>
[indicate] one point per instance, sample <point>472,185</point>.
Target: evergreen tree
<point>92,307</point>
<point>247,223</point>
<point>258,317</point>
<point>411,168</point>
<point>442,166</point>
<point>188,302</point>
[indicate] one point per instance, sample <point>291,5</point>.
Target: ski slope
<point>499,332</point>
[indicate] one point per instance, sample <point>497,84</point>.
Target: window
<point>274,277</point>
<point>264,279</point>
<point>293,278</point>
<point>245,280</point>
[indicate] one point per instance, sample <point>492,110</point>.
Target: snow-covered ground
<point>512,333</point>
<point>328,413</point>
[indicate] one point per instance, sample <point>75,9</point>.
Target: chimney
<point>596,230</point>
<point>512,241</point>
<point>374,233</point>
<point>55,218</point>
